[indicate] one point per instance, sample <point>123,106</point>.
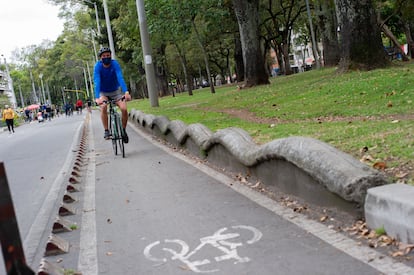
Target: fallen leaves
<point>245,180</point>
<point>241,178</point>
<point>293,204</point>
<point>405,248</point>
<point>402,173</point>
<point>379,165</point>
<point>361,231</point>
<point>368,159</point>
<point>323,218</point>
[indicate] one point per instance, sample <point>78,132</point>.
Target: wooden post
<point>11,243</point>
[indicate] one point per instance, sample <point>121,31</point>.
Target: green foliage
<point>172,37</point>
<point>380,231</point>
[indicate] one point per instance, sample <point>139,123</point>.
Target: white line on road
<point>88,258</point>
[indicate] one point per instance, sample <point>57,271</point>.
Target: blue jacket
<point>108,79</point>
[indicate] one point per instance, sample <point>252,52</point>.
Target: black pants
<point>10,124</point>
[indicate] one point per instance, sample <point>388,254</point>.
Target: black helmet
<point>104,50</point>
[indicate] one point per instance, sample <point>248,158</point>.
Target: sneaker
<point>125,138</point>
<point>107,135</point>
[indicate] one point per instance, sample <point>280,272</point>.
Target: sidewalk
<point>159,212</point>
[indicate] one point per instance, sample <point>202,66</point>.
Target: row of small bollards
<point>57,245</point>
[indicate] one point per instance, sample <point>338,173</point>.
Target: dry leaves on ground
<point>375,240</point>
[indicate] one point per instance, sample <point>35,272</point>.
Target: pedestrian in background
<point>8,116</point>
<point>79,106</point>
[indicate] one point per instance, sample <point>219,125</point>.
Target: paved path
<point>159,212</point>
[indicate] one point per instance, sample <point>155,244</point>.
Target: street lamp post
<point>146,49</point>
<point>21,96</point>
<point>97,25</point>
<point>90,81</point>
<point>96,15</point>
<point>43,88</point>
<point>86,82</point>
<point>36,99</point>
<point>48,94</point>
<point>314,45</point>
<point>108,27</point>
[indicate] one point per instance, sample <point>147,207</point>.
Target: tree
<point>168,24</point>
<point>393,22</point>
<point>279,20</point>
<point>327,23</point>
<point>247,13</point>
<point>360,37</point>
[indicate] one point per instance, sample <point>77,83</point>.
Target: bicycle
<point>115,128</point>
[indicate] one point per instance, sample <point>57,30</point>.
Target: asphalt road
<point>34,158</point>
<point>159,212</point>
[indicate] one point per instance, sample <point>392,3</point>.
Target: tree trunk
<point>327,23</point>
<point>286,60</point>
<point>183,60</point>
<point>247,13</point>
<point>360,37</point>
<point>410,40</point>
<point>213,91</point>
<point>162,81</point>
<point>394,40</point>
<point>238,58</point>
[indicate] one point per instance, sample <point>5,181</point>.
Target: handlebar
<point>112,101</point>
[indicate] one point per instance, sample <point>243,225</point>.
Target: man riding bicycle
<point>110,85</point>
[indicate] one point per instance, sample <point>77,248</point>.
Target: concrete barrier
<point>305,167</point>
<point>300,166</point>
<point>392,207</point>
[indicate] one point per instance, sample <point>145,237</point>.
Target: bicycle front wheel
<point>115,133</point>
<point>120,139</point>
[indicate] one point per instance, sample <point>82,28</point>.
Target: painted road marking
<point>222,241</point>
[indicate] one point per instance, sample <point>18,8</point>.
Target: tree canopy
<point>212,42</point>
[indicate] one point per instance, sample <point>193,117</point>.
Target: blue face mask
<point>106,60</point>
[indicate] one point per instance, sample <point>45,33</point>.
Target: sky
<point>27,22</point>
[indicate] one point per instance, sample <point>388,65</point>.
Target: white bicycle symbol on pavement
<point>220,240</point>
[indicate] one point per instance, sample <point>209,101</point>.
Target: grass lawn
<point>369,115</point>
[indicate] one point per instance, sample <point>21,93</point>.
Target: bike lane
<point>158,212</point>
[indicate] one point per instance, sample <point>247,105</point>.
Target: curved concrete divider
<point>305,167</point>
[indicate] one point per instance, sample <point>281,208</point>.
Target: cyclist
<point>110,85</point>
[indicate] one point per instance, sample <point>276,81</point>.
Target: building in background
<point>6,88</point>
